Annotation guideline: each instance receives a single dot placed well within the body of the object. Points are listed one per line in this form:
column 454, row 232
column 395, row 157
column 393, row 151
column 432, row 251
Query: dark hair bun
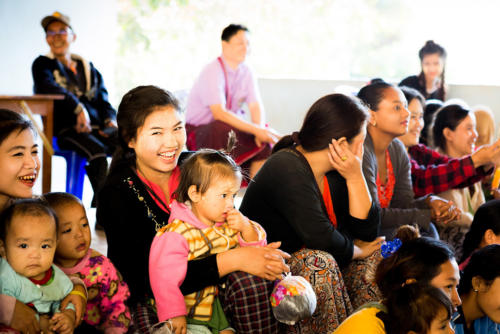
column 431, row 47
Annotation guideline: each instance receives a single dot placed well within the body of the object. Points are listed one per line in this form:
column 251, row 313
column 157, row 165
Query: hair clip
column 408, row 282
column 389, row 247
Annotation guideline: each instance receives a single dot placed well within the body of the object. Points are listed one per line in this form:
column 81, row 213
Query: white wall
column 22, row 38
column 286, row 101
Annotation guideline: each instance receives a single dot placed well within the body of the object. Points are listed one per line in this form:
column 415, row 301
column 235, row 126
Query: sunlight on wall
column 168, row 42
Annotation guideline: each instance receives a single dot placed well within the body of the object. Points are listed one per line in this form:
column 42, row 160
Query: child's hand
column 63, row 322
column 237, row 221
column 78, row 301
column 179, row 325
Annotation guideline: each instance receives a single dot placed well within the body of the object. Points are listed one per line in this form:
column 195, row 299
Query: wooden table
column 42, row 105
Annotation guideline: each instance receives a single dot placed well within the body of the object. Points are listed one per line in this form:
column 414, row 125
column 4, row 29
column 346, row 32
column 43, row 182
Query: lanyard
column 226, row 85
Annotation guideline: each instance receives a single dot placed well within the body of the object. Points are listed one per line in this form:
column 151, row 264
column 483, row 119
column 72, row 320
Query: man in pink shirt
column 215, row 103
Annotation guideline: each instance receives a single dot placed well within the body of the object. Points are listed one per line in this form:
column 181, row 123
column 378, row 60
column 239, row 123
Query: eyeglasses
column 64, row 32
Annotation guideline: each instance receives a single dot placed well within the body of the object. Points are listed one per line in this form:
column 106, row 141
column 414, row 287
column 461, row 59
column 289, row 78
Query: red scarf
column 156, row 192
column 327, row 198
column 385, row 191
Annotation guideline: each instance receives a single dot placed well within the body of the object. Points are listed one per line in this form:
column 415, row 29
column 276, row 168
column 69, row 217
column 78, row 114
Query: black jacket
column 285, row 199
column 413, row 81
column 51, row 77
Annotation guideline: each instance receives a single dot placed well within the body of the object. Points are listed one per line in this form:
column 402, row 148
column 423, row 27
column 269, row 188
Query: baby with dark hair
column 106, row 309
column 28, row 239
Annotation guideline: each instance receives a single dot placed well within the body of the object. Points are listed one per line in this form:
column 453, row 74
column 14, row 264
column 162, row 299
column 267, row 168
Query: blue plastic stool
column 75, row 169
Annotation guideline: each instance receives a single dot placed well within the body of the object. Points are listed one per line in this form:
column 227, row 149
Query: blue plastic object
column 75, row 169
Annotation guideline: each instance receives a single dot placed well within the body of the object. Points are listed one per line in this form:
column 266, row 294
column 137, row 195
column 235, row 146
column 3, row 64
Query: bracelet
column 78, row 293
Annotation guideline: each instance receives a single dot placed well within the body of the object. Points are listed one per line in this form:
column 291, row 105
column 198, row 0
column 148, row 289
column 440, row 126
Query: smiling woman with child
column 19, row 167
column 134, row 205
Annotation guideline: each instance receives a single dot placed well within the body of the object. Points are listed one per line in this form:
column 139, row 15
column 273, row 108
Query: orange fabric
column 385, row 191
column 73, row 69
column 327, row 198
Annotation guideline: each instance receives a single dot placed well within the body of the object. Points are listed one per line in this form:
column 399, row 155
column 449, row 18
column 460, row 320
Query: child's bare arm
column 77, row 297
column 179, row 325
column 63, row 322
column 237, row 221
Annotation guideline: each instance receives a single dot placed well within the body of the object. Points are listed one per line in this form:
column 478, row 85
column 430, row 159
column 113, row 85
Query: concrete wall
column 286, row 101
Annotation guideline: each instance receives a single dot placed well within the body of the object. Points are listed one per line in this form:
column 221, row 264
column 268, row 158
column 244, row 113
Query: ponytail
column 331, row 117
column 487, row 217
column 284, row 142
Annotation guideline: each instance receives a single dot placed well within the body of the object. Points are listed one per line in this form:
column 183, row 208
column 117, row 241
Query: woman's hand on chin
column 347, row 163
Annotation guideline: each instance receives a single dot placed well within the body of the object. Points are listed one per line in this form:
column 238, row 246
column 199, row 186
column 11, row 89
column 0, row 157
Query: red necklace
column 385, row 191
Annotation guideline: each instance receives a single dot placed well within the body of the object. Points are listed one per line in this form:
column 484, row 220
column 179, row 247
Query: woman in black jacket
column 134, row 204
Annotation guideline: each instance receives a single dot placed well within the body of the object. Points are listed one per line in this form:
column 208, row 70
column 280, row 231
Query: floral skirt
column 359, row 279
column 333, row 303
